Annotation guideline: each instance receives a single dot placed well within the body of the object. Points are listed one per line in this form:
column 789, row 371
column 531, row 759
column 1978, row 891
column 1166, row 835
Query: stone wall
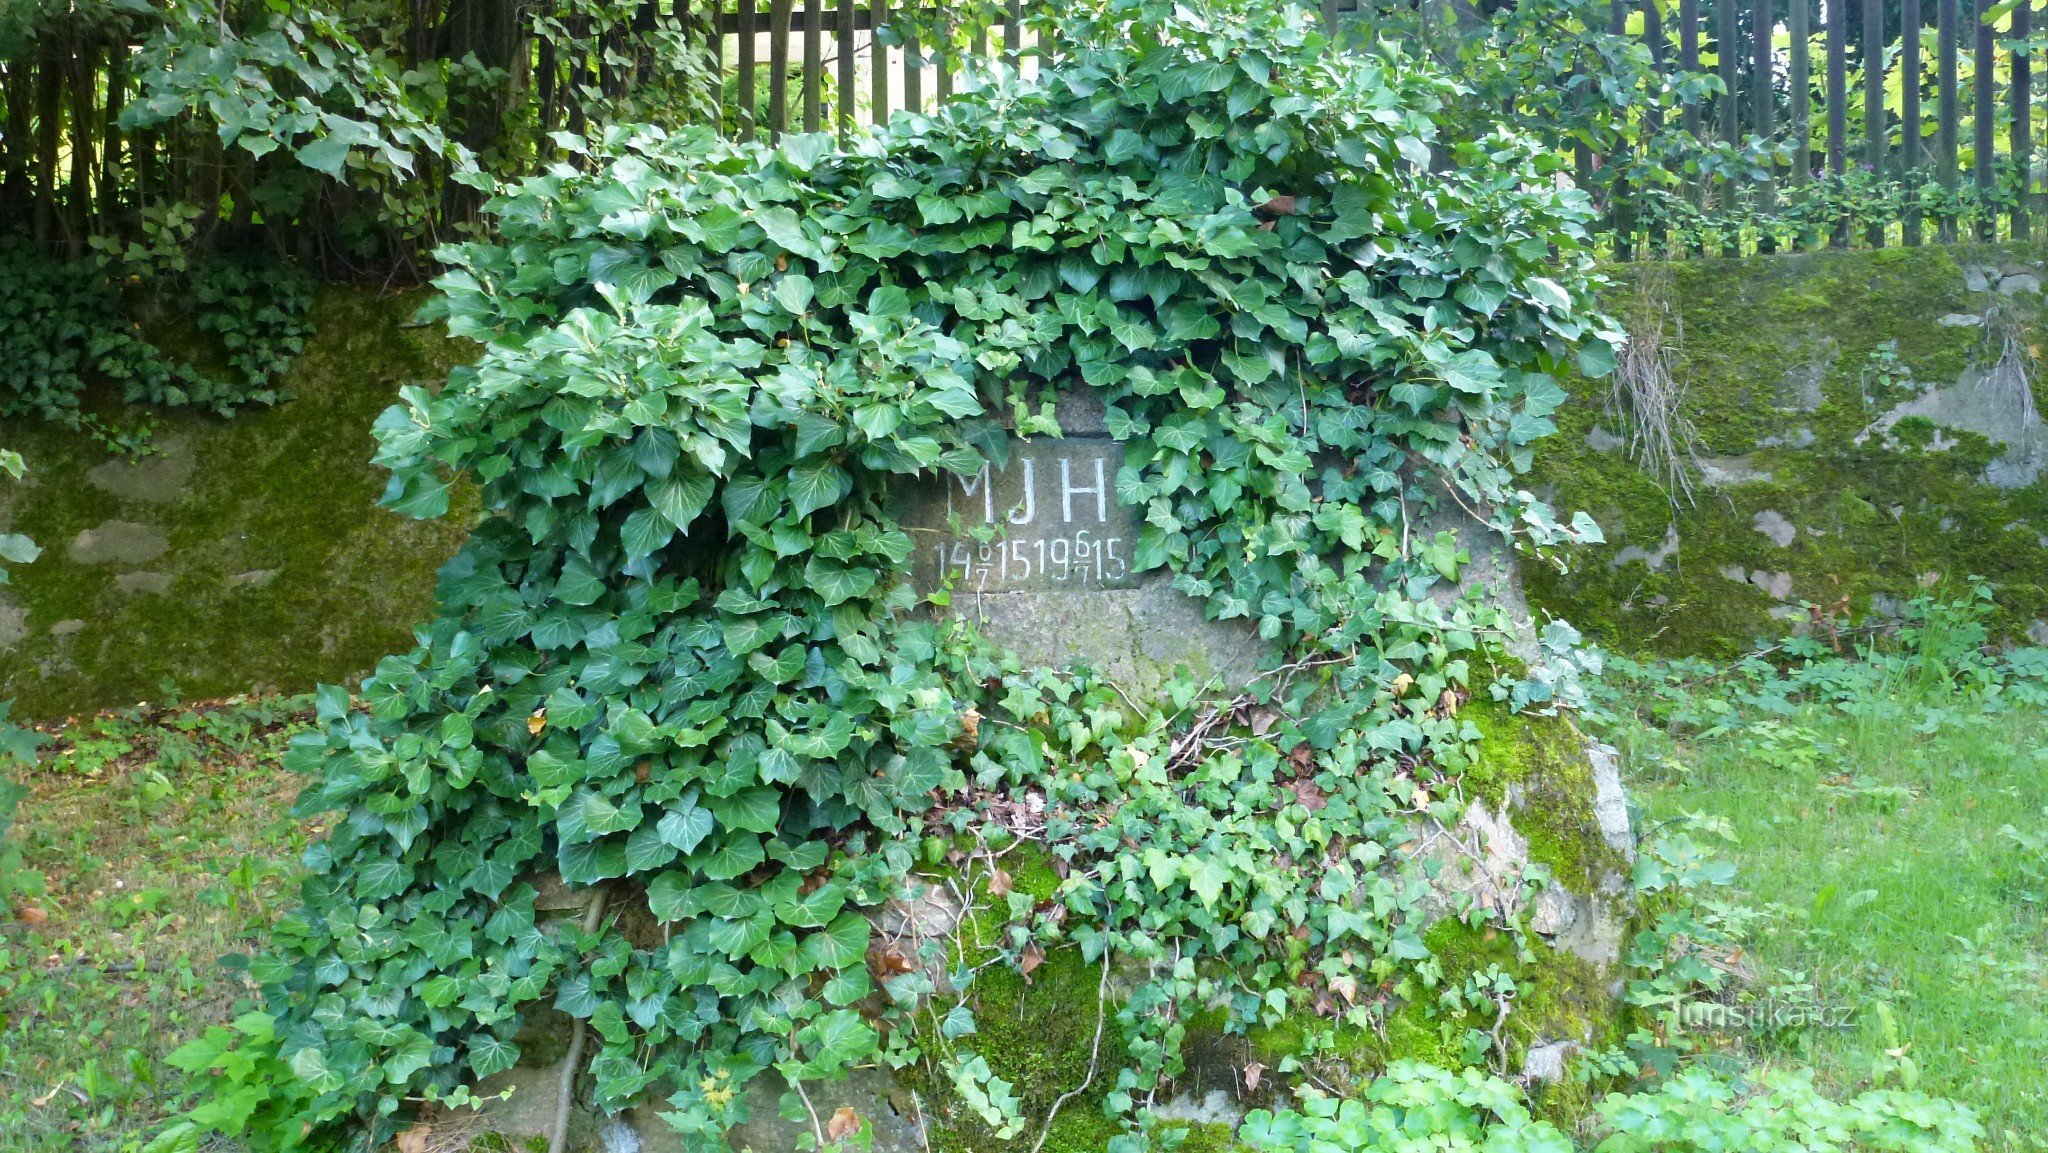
column 241, row 554
column 1867, row 427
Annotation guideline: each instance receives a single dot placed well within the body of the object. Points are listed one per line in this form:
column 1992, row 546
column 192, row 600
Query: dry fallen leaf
column 537, row 722
column 844, row 1123
column 1282, row 205
column 1346, row 986
column 1034, row 956
column 414, row 1140
column 1252, row 1073
column 999, row 883
column 891, row 959
column 30, row 915
column 1309, row 795
column 970, row 725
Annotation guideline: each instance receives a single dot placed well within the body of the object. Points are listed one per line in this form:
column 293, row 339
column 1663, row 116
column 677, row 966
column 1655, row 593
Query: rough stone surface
column 119, row 542
column 1773, row 524
column 153, row 583
column 1601, row 440
column 1654, row 560
column 1883, row 405
column 158, row 478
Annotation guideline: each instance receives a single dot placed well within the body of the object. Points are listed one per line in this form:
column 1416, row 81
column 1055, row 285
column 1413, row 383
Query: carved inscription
column 1047, row 520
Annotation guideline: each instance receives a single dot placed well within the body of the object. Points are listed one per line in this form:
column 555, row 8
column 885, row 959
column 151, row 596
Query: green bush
column 679, row 662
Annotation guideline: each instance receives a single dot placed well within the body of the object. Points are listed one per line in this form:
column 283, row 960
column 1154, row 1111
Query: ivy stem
column 1094, row 1054
column 566, row 1095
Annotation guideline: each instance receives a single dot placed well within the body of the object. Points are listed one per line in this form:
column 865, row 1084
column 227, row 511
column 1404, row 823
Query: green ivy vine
column 680, row 666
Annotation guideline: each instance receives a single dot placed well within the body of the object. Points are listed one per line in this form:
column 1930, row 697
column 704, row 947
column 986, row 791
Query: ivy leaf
column 737, row 854
column 328, row 154
column 644, row 532
column 684, row 827
column 840, row 944
column 756, row 810
column 816, row 483
column 679, row 499
column 489, row 1055
column 310, row 1066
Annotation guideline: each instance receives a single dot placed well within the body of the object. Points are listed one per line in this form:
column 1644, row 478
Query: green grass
column 1894, row 826
column 147, row 846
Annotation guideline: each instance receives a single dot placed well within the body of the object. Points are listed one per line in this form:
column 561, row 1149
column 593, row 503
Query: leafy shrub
column 679, row 662
column 65, row 324
column 1416, row 1108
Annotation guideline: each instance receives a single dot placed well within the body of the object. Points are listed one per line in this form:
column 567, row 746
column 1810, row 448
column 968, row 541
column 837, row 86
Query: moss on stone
column 1771, row 350
column 279, row 571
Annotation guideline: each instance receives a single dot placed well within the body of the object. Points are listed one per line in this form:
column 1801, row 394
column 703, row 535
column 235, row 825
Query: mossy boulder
column 1540, row 803
column 1867, row 426
column 242, row 554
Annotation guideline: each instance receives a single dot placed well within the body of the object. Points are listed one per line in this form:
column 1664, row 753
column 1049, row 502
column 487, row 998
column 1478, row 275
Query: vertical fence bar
column 1621, row 199
column 1984, row 110
column 1689, row 63
column 845, row 61
column 1762, row 96
column 1948, row 114
column 1838, row 105
column 942, row 58
column 1728, row 54
column 1653, row 115
column 1799, row 99
column 878, row 63
column 913, row 67
column 1013, row 29
column 778, row 67
column 814, row 63
column 747, row 50
column 1911, row 72
column 1873, row 103
column 2022, row 117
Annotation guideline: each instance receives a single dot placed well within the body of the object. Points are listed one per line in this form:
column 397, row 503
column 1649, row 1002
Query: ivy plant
column 679, row 667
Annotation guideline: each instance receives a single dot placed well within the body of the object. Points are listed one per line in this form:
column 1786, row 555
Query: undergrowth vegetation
column 1879, row 808
column 66, row 326
column 145, row 848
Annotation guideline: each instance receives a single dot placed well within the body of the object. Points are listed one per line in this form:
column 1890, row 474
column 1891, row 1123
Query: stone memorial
column 1039, row 553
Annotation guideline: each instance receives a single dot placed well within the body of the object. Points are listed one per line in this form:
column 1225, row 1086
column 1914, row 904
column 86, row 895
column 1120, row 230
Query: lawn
column 1889, row 815
column 145, row 849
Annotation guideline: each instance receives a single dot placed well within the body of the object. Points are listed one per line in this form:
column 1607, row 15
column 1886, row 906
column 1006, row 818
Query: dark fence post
column 778, row 67
column 1761, row 99
column 1800, row 81
column 1985, row 114
column 1874, row 129
column 1689, row 63
column 1910, row 73
column 2022, row 116
column 814, row 64
column 1653, row 114
column 1948, row 114
column 878, row 63
column 845, row 59
column 1838, row 106
column 747, row 53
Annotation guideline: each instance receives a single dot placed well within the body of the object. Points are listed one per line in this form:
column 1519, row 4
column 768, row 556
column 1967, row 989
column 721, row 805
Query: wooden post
column 1948, row 114
column 778, row 67
column 814, row 64
column 747, row 50
column 913, row 73
column 878, row 63
column 2022, row 118
column 1653, row 116
column 1910, row 72
column 1728, row 49
column 1800, row 81
column 1621, row 203
column 844, row 38
column 1689, row 62
column 1873, row 102
column 1985, row 111
column 1013, row 30
column 1838, row 104
column 1761, row 97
